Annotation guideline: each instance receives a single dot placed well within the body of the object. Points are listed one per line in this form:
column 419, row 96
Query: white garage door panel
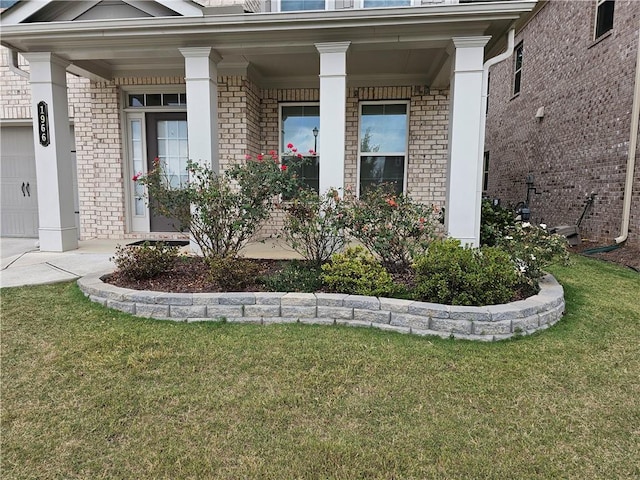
column 19, row 212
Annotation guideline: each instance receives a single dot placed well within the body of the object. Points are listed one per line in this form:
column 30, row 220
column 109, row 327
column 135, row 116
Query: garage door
column 19, row 213
column 19, row 207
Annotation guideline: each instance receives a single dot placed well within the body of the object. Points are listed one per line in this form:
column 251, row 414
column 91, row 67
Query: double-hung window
column 298, row 5
column 299, row 128
column 384, row 128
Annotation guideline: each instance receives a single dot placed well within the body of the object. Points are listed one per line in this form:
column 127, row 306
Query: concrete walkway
column 22, row 263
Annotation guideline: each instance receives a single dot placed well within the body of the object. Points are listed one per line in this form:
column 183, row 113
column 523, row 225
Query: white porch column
column 201, row 76
column 52, row 139
column 333, row 105
column 464, row 187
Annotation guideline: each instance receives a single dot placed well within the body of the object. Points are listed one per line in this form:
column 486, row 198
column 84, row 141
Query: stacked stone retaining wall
column 488, row 323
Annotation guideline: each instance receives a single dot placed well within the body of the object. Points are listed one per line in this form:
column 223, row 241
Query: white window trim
column 405, row 154
column 359, row 4
column 516, row 71
column 328, row 5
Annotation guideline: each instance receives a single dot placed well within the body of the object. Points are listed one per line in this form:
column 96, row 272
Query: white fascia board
column 184, row 8
column 278, row 21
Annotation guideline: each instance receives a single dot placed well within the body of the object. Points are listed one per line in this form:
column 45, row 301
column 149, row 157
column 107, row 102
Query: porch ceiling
column 388, row 46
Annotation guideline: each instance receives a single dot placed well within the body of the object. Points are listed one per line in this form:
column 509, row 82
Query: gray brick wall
column 581, row 144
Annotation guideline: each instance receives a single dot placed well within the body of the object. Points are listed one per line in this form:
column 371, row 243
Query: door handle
column 28, row 189
column 23, row 189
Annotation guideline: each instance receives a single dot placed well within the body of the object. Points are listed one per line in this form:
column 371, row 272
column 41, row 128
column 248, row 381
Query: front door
column 167, row 141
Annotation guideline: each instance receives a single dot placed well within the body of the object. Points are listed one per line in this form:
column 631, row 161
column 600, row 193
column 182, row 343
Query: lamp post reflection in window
column 315, row 139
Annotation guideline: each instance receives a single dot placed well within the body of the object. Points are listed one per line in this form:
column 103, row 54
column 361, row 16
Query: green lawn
column 92, row 393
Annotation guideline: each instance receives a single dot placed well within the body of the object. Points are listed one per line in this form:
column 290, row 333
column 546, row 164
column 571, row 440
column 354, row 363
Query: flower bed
column 488, row 323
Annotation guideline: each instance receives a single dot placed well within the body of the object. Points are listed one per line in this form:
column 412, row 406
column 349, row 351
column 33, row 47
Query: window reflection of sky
column 389, row 132
column 299, row 132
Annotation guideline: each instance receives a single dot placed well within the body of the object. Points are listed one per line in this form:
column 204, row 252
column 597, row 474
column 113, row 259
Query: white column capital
column 470, row 42
column 201, row 52
column 333, row 47
column 46, row 57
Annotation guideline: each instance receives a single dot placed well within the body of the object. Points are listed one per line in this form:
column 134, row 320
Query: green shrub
column 295, row 277
column 391, row 226
column 144, row 261
column 357, row 272
column 314, row 225
column 453, row 275
column 532, row 248
column 232, row 273
column 494, row 222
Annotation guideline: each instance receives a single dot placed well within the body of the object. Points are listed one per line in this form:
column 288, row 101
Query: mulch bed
column 626, row 256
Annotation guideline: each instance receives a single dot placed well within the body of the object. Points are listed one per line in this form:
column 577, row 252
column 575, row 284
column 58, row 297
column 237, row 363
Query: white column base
column 58, row 239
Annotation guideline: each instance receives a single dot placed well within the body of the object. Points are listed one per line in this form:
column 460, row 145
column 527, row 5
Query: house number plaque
column 43, row 123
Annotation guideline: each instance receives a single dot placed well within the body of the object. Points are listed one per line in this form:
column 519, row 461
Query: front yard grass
column 88, row 392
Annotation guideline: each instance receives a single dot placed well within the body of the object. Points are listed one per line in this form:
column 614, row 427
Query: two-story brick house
column 562, row 121
column 92, row 91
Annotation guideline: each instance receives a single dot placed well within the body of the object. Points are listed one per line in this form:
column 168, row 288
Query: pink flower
column 299, row 155
column 247, row 157
column 312, row 152
column 289, row 145
column 391, row 202
column 273, row 153
column 136, row 176
column 283, row 168
column 260, row 157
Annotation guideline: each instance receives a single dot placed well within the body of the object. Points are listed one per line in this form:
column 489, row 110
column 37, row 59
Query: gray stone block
column 482, row 338
column 141, row 296
column 373, row 316
column 457, row 312
column 206, row 298
column 451, row 326
column 187, row 311
column 297, row 311
column 419, row 322
column 504, row 312
column 551, row 316
column 429, row 333
column 112, row 292
column 427, row 309
column 330, row 299
column 224, row 311
column 278, row 320
column 527, row 307
column 318, row 321
column 205, row 319
column 501, row 327
column 262, row 310
column 335, row 312
column 101, row 300
column 296, row 299
column 237, row 298
column 395, row 304
column 353, row 323
column 152, row 310
column 521, row 325
column 391, row 328
column 126, row 307
column 361, row 301
column 268, row 298
column 175, row 299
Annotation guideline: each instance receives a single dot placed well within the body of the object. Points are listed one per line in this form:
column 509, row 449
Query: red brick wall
column 581, row 144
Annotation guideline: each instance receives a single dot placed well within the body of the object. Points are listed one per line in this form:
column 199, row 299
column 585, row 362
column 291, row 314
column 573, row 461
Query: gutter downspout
column 631, row 160
column 13, row 64
column 483, row 109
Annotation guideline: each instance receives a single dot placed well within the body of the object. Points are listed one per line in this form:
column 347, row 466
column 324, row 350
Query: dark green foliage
column 141, row 262
column 495, row 220
column 295, row 277
column 453, row 275
column 232, row 273
column 357, row 272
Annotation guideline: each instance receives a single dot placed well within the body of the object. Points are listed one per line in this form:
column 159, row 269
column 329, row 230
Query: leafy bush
column 145, row 261
column 314, row 225
column 391, row 226
column 495, row 220
column 533, row 249
column 295, row 277
column 221, row 211
column 232, row 273
column 357, row 272
column 453, row 275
